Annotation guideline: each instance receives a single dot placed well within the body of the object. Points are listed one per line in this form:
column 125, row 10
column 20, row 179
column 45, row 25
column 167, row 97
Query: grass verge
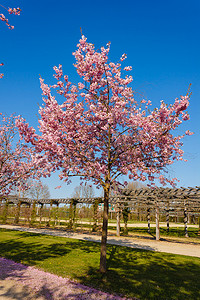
column 134, row 273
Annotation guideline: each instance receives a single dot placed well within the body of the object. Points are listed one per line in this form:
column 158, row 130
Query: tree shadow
column 147, row 275
column 24, row 248
column 133, row 272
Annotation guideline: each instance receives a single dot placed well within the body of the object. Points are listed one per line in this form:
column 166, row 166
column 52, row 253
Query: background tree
column 18, row 161
column 37, row 191
column 100, row 132
column 83, row 191
column 77, row 193
column 134, row 185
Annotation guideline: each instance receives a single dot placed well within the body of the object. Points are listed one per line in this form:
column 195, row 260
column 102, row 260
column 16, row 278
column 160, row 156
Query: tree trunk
column 103, row 267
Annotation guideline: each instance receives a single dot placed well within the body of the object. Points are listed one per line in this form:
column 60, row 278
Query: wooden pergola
column 157, row 201
column 162, row 200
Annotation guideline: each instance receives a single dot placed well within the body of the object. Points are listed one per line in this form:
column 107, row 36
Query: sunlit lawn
column 134, row 273
column 173, row 232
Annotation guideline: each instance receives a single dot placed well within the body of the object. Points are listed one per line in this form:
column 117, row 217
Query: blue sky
column 160, row 38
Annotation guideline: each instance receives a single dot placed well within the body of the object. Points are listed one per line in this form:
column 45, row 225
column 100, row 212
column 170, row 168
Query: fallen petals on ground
column 48, row 285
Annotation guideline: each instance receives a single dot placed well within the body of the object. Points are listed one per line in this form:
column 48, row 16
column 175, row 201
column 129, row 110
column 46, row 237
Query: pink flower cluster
column 14, row 11
column 18, row 161
column 1, row 74
column 100, row 132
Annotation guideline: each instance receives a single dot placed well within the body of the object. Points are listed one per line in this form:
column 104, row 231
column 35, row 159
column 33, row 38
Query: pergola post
column 157, row 223
column 70, row 214
column 125, row 212
column 148, row 219
column 185, row 219
column 40, row 212
column 56, row 214
column 33, row 213
column 74, row 213
column 50, row 213
column 118, row 219
column 16, row 221
column 139, row 212
column 167, row 216
column 5, row 211
column 28, row 214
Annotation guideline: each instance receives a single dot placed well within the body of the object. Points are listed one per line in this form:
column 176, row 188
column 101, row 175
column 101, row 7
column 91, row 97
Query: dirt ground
column 10, row 290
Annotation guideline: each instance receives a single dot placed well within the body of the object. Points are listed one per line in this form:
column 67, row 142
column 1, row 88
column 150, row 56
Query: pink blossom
column 15, row 11
column 189, row 132
column 81, row 86
column 123, row 57
column 128, row 68
column 58, row 187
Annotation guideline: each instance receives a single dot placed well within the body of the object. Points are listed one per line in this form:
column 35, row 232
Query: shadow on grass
column 31, row 253
column 132, row 272
column 147, row 275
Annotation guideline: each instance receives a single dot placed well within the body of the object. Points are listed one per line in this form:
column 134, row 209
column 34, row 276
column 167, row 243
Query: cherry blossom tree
column 100, row 132
column 18, row 162
column 11, row 11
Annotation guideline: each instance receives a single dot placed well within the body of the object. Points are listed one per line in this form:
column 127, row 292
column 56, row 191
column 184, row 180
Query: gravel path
column 147, row 244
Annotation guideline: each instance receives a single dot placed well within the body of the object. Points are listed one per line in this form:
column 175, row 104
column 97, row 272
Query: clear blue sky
column 161, row 39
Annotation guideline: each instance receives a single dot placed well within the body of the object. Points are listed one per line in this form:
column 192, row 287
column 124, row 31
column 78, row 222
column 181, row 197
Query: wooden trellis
column 158, row 201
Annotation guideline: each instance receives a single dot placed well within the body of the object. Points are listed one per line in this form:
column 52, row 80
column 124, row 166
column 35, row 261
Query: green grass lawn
column 134, row 273
column 173, row 231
